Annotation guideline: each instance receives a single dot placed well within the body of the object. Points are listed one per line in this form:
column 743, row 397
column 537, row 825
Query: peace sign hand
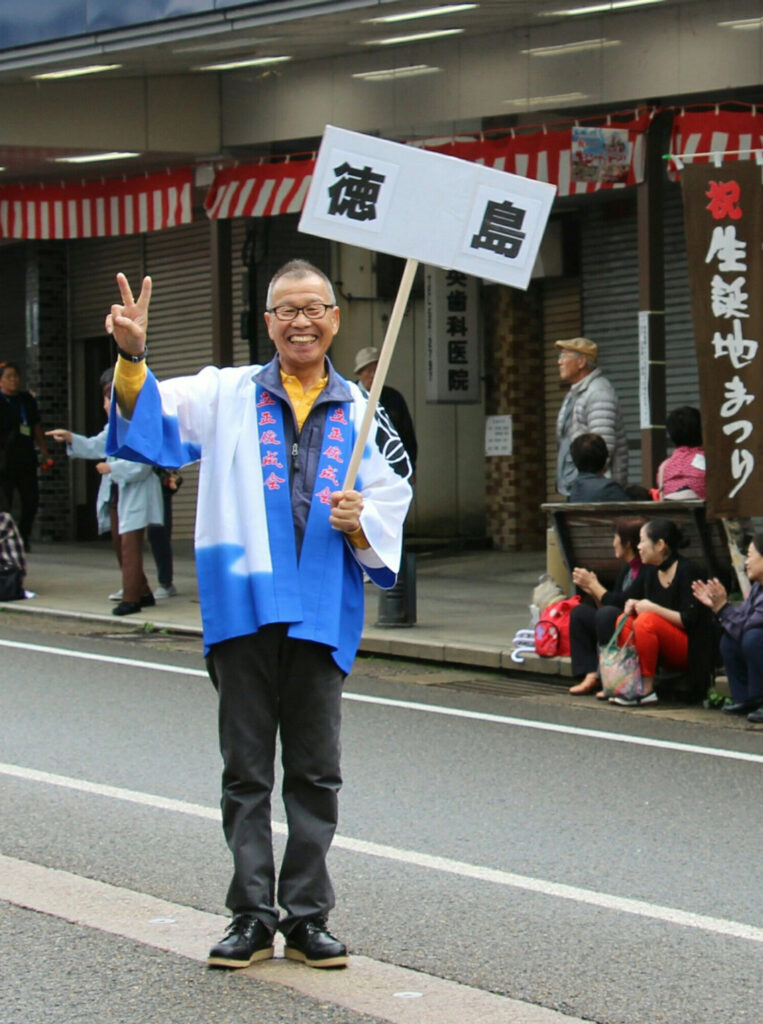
column 128, row 322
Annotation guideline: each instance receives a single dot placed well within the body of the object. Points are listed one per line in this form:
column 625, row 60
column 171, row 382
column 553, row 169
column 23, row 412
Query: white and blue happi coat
column 250, row 572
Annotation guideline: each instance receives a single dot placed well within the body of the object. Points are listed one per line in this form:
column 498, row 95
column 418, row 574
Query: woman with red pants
column 667, row 622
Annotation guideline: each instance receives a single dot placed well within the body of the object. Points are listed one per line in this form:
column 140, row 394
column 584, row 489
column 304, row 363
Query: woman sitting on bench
column 742, row 637
column 590, row 626
column 668, row 624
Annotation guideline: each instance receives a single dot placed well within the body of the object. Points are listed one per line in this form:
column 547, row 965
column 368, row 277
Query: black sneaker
column 636, row 702
column 147, row 600
column 246, row 941
column 311, row 944
column 126, row 608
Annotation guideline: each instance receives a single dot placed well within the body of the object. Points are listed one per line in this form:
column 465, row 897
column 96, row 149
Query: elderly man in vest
column 280, row 550
column 591, row 407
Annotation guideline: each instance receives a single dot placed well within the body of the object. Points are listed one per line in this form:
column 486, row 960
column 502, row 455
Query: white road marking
column 368, row 986
column 430, row 862
column 432, row 709
column 106, row 659
column 568, row 730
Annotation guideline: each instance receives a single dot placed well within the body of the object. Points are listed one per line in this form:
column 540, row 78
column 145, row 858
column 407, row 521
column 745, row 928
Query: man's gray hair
column 298, row 268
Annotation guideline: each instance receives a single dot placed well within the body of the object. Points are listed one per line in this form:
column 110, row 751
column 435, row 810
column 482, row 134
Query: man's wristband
column 131, row 358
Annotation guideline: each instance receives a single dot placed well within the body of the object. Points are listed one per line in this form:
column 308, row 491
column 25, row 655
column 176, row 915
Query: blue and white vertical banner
column 439, row 210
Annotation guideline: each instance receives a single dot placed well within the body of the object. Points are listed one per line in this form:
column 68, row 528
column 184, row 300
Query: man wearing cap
column 591, row 407
column 393, row 402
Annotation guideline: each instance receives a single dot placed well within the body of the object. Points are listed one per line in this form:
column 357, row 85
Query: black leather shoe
column 147, row 600
column 246, row 941
column 756, row 716
column 310, row 943
column 126, row 608
column 741, row 707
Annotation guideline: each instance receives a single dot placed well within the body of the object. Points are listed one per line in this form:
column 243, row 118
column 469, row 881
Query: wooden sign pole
column 385, row 357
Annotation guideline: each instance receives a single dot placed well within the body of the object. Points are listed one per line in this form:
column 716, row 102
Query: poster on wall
column 601, row 155
column 723, row 212
column 436, row 209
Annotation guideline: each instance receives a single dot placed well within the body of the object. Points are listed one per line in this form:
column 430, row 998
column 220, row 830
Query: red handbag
column 552, row 632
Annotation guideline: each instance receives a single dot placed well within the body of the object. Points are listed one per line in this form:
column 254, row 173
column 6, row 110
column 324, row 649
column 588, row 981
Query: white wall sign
column 645, row 412
column 499, row 435
column 437, row 209
column 452, row 333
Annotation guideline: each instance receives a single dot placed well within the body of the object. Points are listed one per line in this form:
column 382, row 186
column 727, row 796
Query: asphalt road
column 596, row 862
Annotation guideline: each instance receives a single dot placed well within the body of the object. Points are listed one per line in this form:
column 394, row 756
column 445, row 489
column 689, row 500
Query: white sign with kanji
column 437, row 209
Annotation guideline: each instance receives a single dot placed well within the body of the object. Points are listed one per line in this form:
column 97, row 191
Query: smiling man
column 280, row 552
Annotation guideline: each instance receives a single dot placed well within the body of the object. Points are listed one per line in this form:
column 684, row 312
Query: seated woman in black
column 742, row 637
column 591, row 626
column 669, row 626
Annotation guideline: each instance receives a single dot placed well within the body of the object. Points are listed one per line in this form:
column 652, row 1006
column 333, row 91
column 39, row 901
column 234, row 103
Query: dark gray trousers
column 268, row 684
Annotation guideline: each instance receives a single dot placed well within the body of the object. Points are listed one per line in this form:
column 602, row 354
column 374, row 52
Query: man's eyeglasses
column 314, row 311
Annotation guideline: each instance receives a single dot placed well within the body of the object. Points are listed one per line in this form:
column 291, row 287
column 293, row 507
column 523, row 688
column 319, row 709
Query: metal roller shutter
column 561, row 319
column 239, row 227
column 93, row 265
column 178, row 261
column 610, row 308
column 682, row 376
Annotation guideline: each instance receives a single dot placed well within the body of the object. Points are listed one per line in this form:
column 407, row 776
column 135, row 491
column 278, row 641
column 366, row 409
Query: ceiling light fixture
column 742, row 24
column 252, row 62
column 91, row 158
column 89, row 69
column 617, row 5
column 563, row 48
column 386, row 19
column 415, row 38
column 409, row 71
column 546, row 101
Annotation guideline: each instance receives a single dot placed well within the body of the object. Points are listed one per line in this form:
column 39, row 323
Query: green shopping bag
column 619, row 667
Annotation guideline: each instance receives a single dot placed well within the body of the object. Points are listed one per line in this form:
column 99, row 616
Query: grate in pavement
column 504, row 687
column 152, row 639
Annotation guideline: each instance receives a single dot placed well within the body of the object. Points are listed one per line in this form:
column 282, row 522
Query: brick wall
column 515, row 484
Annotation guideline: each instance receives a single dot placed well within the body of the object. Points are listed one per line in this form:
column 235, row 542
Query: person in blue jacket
column 742, row 636
column 129, row 499
column 280, row 545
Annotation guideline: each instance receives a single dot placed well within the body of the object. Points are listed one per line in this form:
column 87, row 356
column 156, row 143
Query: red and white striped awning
column 548, row 156
column 259, row 190
column 267, row 189
column 715, row 135
column 96, row 209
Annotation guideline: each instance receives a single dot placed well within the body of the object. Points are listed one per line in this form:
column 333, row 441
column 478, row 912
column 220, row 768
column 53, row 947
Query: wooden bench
column 584, row 534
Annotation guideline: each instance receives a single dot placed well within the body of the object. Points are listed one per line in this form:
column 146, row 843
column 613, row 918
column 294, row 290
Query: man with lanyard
column 20, row 430
column 280, row 549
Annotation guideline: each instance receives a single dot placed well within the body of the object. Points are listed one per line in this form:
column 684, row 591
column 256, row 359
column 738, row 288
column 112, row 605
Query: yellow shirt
column 302, row 400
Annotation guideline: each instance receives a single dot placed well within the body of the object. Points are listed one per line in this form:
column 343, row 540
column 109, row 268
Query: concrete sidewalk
column 469, row 603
